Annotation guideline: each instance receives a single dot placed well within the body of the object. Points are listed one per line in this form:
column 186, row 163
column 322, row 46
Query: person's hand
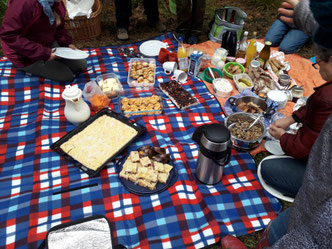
column 72, row 46
column 284, row 123
column 52, row 56
column 276, row 132
column 287, row 10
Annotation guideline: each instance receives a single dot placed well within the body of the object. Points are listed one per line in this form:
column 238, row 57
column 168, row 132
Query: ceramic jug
column 76, row 109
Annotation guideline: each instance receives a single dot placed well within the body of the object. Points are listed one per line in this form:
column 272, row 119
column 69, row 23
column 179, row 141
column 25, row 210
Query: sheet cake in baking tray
column 98, row 140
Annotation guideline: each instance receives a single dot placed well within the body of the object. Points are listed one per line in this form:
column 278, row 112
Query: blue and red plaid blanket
column 188, row 215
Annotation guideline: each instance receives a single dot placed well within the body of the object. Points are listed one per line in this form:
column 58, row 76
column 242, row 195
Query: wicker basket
column 83, row 28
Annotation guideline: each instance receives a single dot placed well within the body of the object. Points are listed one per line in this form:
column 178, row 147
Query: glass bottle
column 264, row 55
column 182, row 56
column 229, row 42
column 251, row 51
column 241, row 53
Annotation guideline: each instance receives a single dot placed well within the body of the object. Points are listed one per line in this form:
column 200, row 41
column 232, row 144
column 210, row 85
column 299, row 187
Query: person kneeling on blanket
column 29, row 32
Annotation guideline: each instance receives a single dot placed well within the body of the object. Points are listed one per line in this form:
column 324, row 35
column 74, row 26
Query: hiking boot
column 122, row 34
column 158, row 25
column 192, row 40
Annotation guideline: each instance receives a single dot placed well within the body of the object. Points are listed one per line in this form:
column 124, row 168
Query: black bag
column 86, row 233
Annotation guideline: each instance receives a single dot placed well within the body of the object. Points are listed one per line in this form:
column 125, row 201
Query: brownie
column 180, row 97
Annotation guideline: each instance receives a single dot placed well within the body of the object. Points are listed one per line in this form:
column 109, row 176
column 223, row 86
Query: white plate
column 268, row 188
column 259, row 46
column 72, row 54
column 274, row 147
column 151, row 48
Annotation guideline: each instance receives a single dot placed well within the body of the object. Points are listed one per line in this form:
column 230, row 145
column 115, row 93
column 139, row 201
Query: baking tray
column 56, row 146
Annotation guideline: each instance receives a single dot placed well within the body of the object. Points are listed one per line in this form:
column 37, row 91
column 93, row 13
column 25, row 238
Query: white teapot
column 76, row 109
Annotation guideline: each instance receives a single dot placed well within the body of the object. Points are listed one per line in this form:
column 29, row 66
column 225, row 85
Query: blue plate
column 139, row 190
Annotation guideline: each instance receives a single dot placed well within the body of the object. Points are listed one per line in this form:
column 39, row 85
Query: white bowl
column 222, row 87
column 278, row 96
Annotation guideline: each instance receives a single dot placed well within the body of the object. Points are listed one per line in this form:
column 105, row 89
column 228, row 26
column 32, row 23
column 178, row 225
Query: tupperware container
column 109, row 84
column 139, row 72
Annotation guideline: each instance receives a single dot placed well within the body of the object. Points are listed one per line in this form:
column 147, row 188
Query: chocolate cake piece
column 179, row 96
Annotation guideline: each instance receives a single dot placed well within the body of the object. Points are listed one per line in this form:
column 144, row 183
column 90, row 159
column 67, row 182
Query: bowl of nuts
column 141, row 72
column 232, row 68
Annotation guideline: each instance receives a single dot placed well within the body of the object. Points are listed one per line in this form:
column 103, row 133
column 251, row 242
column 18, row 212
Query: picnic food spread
column 168, row 116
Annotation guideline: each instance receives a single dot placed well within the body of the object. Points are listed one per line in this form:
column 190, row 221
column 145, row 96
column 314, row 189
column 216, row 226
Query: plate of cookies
column 147, row 171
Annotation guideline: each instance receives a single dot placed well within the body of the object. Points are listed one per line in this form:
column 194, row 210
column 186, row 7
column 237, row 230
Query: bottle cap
column 268, row 43
column 254, row 64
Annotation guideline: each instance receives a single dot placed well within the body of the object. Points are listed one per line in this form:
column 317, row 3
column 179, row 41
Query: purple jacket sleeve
column 20, row 15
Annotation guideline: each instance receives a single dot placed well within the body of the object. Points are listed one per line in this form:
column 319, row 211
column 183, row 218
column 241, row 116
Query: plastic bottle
column 182, row 56
column 241, row 53
column 264, row 55
column 251, row 50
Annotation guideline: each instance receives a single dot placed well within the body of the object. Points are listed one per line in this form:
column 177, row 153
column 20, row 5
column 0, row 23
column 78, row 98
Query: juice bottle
column 251, row 51
column 264, row 55
column 182, row 56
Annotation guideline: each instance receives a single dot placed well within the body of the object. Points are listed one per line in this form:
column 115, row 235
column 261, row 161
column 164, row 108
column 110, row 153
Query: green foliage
column 3, row 8
column 265, row 4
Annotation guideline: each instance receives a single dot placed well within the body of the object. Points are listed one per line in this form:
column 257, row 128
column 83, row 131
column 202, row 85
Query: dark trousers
column 190, row 18
column 123, row 12
column 284, row 174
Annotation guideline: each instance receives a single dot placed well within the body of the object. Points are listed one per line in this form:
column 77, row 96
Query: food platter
column 142, row 191
column 72, row 54
column 151, row 48
column 269, row 188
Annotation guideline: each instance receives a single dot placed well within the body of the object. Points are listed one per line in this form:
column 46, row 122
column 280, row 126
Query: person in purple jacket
column 30, row 31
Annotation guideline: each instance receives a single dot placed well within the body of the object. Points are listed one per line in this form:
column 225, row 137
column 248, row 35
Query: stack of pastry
column 144, row 171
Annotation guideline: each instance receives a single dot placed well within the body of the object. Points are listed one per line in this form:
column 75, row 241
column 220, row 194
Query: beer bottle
column 264, row 55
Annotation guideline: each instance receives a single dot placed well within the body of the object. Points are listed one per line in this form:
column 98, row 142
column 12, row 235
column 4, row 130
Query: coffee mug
column 179, row 76
column 169, row 67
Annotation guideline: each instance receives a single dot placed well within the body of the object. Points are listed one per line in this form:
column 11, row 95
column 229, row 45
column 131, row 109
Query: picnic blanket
column 39, row 189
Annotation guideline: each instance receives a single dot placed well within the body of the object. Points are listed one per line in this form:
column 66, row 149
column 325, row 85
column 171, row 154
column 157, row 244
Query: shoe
column 122, row 34
column 192, row 40
column 158, row 25
column 264, row 240
column 181, row 36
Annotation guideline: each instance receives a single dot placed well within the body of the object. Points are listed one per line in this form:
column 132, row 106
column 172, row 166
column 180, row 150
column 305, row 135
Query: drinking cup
column 179, row 76
column 169, row 67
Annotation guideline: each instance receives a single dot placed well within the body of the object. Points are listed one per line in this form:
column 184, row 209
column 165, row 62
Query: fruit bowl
column 242, row 81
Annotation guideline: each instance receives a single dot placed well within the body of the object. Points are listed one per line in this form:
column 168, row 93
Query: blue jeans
column 287, row 38
column 283, row 174
column 278, row 227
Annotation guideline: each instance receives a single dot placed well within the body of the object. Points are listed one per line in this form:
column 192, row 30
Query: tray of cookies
column 98, row 140
column 147, row 171
column 140, row 102
column 141, row 72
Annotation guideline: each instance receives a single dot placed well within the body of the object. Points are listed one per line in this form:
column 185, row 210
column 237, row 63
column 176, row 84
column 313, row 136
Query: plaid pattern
column 39, row 189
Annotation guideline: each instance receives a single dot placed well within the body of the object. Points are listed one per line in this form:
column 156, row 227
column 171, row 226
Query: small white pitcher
column 76, row 109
